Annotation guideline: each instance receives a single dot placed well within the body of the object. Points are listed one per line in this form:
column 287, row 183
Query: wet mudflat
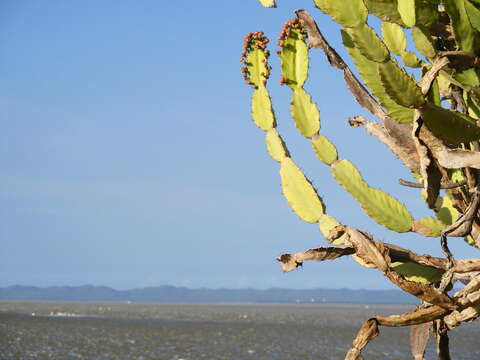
column 110, row 331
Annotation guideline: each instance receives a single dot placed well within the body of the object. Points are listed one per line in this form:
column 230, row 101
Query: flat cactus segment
column 416, row 272
column 254, row 57
column 326, row 224
column 473, row 15
column 445, row 210
column 450, row 126
column 467, row 78
column 400, row 86
column 369, row 44
column 386, row 10
column 256, row 66
column 428, row 226
column 410, row 59
column 323, row 5
column 294, row 55
column 369, row 72
column 324, row 149
column 423, row 42
column 462, row 28
column 268, row 3
column 276, row 146
column 346, row 13
column 262, row 112
column 300, row 193
column 394, row 37
column 406, row 9
column 380, row 206
column 305, row 113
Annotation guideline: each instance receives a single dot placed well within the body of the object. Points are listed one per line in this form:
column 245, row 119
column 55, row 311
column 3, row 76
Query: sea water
column 148, row 331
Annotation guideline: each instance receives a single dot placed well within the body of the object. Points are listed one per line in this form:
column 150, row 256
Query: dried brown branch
column 429, row 170
column 367, row 333
column 431, row 74
column 441, row 332
column 419, row 335
column 392, row 134
column 442, row 186
column 290, row 262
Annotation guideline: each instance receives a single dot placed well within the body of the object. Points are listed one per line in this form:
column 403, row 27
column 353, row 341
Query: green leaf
column 346, row 13
column 473, row 15
column 406, row 9
column 428, row 226
column 300, row 193
column 324, row 149
column 369, row 44
column 294, row 59
column 305, row 113
column 394, row 37
column 276, row 146
column 423, row 42
column 417, row 273
column 262, row 112
column 450, row 126
column 462, row 29
column 327, row 223
column 380, row 206
column 369, row 72
column 400, row 86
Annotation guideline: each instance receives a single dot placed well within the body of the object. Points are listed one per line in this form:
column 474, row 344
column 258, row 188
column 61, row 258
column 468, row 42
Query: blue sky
column 129, row 158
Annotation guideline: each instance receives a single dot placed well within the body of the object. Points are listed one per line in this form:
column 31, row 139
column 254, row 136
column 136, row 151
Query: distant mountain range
column 185, row 295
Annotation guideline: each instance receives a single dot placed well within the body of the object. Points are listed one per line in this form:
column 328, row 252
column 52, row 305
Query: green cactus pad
column 268, row 3
column 324, row 149
column 428, row 226
column 394, row 37
column 369, row 72
column 451, row 126
column 380, row 206
column 400, row 86
column 410, row 59
column 326, row 224
column 386, row 10
column 468, row 78
column 462, row 28
column 369, row 44
column 256, row 64
column 423, row 42
column 300, row 193
column 294, row 59
column 305, row 113
column 445, row 210
column 473, row 15
column 346, row 13
column 262, row 112
column 406, row 9
column 275, row 145
column 323, row 5
column 417, row 272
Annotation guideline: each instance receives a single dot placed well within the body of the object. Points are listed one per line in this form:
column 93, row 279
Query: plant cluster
column 430, row 124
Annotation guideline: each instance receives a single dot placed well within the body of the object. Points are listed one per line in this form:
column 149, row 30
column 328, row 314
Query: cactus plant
column 431, row 124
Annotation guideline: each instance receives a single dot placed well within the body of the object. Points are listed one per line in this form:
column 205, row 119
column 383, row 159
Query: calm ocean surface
column 147, row 331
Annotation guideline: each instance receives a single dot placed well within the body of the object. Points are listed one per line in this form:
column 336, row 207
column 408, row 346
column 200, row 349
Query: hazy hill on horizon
column 174, row 294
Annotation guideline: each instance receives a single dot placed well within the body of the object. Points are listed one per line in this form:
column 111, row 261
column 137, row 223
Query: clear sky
column 129, row 158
